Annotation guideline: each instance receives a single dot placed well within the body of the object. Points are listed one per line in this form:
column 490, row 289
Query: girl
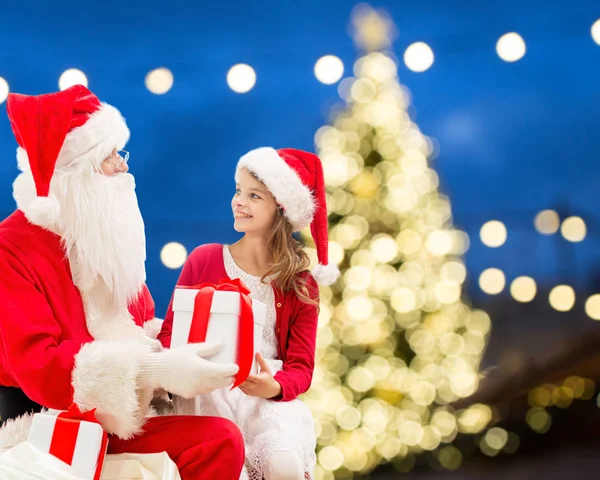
column 277, row 193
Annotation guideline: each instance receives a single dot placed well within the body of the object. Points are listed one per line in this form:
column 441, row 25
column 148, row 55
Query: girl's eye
column 237, row 191
column 254, row 195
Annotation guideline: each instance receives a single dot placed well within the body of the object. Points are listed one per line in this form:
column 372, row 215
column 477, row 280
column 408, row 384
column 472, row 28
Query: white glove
column 182, row 370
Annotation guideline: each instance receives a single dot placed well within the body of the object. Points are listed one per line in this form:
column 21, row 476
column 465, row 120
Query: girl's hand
column 262, row 385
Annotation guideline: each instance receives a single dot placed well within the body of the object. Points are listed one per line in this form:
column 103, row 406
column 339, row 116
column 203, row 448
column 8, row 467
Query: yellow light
column 410, row 433
column 4, row 89
column 447, row 292
column 173, row 255
column 562, row 298
column 71, row 77
column 479, row 322
column 348, row 418
column 475, row 418
column 389, row 448
column 562, row 396
column 358, row 278
column 492, row 281
column 359, row 307
column 547, row 222
column 413, row 163
column 360, row 379
column 431, row 438
column 444, row 421
column 418, row 57
column 512, row 445
column 539, row 420
column 523, row 289
column 439, row 242
column 335, row 252
column 329, row 69
column 539, row 397
column 450, row 458
column 384, row 248
column 573, row 229
column 409, row 242
column 421, row 341
column 595, row 30
column 493, row 233
column 496, row 438
column 452, row 344
column 363, row 90
column 511, row 47
column 403, row 300
column 159, row 81
column 464, row 384
column 576, row 385
column 241, row 78
column 454, row 272
column 592, row 307
column 331, row 457
column 423, row 393
column 355, row 460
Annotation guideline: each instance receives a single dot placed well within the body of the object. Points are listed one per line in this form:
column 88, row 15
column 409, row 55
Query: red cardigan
column 296, row 321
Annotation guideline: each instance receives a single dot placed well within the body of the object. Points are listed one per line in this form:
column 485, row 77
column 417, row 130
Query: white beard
column 103, row 235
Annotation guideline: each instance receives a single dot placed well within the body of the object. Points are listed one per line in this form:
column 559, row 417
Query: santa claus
column 76, row 319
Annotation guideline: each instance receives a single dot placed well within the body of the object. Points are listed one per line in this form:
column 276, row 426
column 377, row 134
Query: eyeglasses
column 119, row 159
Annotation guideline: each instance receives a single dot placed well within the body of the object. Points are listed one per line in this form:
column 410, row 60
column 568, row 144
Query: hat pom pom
column 43, row 211
column 325, row 274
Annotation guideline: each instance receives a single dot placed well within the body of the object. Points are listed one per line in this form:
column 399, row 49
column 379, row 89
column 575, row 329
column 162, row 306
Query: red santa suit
column 72, row 326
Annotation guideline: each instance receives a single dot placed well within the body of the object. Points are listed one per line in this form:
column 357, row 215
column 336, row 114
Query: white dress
column 266, row 426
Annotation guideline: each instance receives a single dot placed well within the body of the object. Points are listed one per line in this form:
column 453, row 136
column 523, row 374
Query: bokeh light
column 562, row 298
column 523, row 289
column 241, row 78
column 547, row 222
column 511, row 47
column 329, row 69
column 418, row 57
column 71, row 77
column 173, row 255
column 159, row 81
column 573, row 229
column 493, row 233
column 492, row 281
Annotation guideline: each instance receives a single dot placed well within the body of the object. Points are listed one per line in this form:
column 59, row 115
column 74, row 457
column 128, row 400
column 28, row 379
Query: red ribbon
column 201, row 317
column 65, row 434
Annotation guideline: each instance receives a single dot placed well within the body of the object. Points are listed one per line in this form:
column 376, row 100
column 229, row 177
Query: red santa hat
column 61, row 131
column 295, row 178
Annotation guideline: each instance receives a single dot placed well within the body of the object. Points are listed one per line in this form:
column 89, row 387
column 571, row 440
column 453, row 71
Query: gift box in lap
column 77, row 442
column 223, row 324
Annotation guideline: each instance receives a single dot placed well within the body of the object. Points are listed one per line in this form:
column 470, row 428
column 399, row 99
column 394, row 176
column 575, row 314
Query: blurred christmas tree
column 397, row 342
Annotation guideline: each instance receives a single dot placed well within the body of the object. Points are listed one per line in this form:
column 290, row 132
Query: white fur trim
column 15, row 431
column 104, row 131
column 283, row 182
column 105, row 378
column 325, row 274
column 152, row 327
column 43, row 211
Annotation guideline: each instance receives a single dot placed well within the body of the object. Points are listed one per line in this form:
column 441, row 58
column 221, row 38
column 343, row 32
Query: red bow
column 65, row 434
column 201, row 316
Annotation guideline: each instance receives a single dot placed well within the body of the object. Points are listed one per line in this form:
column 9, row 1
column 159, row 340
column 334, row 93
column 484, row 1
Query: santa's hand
column 262, row 385
column 182, row 370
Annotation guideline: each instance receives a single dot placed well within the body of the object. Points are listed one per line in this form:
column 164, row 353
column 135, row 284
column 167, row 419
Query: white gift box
column 222, row 325
column 88, row 450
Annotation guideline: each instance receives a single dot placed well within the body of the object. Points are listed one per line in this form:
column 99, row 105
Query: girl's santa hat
column 295, row 178
column 64, row 131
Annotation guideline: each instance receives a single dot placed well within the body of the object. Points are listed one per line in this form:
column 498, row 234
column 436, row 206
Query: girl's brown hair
column 289, row 260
